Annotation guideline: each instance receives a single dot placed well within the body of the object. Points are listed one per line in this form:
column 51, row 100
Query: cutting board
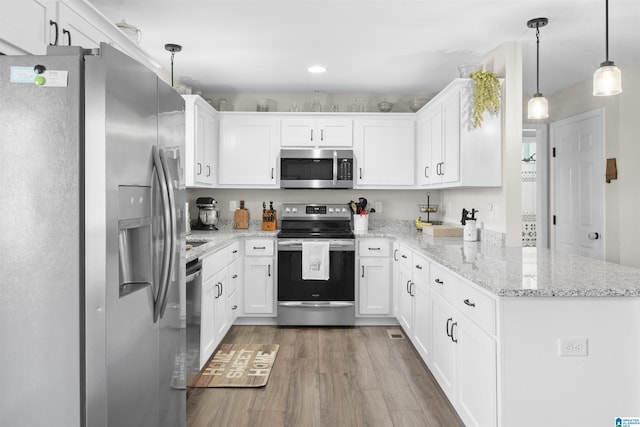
column 241, row 219
column 442, row 230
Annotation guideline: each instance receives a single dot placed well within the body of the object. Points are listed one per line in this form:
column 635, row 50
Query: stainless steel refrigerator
column 92, row 269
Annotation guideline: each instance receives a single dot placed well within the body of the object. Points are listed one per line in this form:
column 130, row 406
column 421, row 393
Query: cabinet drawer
column 420, row 268
column 258, row 247
column 374, row 247
column 477, row 306
column 234, row 251
column 213, row 263
column 234, row 277
column 405, row 257
column 443, row 281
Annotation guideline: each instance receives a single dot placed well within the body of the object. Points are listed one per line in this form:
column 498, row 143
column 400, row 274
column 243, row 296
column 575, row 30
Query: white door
column 577, row 185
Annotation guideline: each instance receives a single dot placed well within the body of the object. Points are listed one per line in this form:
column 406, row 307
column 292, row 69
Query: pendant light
column 173, row 48
column 607, row 80
column 538, row 106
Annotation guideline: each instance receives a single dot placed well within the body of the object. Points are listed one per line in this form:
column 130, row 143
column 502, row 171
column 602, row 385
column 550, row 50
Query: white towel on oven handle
column 315, row 260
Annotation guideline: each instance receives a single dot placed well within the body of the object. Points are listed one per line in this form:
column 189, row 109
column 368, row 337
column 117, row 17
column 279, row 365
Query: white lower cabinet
column 464, row 351
column 374, row 277
column 217, row 295
column 421, row 331
column 259, row 277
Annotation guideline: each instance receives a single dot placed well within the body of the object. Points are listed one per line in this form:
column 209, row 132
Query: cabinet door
column 26, row 24
column 258, row 288
column 384, row 153
column 205, row 141
column 77, row 31
column 443, row 365
column 421, row 308
column 248, row 151
column 433, row 145
column 298, row 132
column 207, row 328
column 334, row 133
column 220, row 305
column 374, row 275
column 423, row 149
column 450, row 168
column 405, row 300
column 477, row 392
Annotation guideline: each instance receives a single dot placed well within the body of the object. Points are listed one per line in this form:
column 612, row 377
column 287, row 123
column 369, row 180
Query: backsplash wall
column 396, row 204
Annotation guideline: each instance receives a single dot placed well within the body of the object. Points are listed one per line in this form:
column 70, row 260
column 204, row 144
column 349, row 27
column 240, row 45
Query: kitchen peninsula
column 531, row 334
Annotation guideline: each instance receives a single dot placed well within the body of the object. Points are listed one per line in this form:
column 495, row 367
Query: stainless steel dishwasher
column 193, row 299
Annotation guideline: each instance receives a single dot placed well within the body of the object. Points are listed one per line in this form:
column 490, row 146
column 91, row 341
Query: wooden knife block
column 269, row 220
column 241, row 219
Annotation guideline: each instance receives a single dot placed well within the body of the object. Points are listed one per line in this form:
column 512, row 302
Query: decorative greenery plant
column 486, row 95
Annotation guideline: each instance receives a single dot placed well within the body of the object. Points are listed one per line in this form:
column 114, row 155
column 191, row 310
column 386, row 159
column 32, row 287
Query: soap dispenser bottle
column 470, row 230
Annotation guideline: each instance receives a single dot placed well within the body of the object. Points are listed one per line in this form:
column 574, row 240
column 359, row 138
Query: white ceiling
column 374, row 46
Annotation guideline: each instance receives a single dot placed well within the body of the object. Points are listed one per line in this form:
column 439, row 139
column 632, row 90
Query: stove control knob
column 287, row 210
column 294, row 210
column 330, row 210
column 344, row 210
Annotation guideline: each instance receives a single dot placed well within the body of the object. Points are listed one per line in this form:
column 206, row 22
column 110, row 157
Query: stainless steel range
column 316, row 265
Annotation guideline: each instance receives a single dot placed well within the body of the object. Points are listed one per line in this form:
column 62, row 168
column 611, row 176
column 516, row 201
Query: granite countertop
column 503, row 271
column 518, row 272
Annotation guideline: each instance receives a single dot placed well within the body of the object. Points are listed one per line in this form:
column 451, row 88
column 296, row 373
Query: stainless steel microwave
column 316, row 168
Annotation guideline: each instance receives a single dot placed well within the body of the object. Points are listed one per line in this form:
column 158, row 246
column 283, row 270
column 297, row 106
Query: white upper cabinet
column 75, row 30
column 29, row 24
column 450, row 153
column 316, row 132
column 385, row 152
column 248, row 151
column 201, row 142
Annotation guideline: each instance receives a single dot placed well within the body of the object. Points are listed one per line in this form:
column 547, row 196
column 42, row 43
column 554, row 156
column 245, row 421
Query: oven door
column 316, row 302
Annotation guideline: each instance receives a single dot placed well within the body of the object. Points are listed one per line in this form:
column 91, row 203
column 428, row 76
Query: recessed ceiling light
column 317, row 69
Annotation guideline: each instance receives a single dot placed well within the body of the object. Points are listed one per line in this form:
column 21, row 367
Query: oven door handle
column 316, row 304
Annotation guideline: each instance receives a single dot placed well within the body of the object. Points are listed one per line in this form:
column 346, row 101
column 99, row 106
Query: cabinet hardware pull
column 269, row 270
column 409, row 292
column 425, row 171
column 312, row 134
column 469, row 303
column 235, row 251
column 321, row 134
column 440, row 282
column 208, row 170
column 374, row 249
column 199, row 169
column 594, row 236
column 418, row 266
column 259, row 247
column 453, row 325
column 220, row 294
column 235, row 276
column 411, row 289
column 68, row 33
column 363, row 271
column 271, row 173
column 54, row 24
column 217, row 292
column 404, row 256
column 449, row 320
column 395, row 255
column 235, row 307
column 360, row 173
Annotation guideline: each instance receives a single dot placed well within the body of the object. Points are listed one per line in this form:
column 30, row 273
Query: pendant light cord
column 606, row 31
column 537, row 59
column 172, row 55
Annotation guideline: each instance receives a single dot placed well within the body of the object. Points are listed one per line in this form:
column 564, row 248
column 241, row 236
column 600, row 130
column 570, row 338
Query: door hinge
column 554, row 220
column 554, row 152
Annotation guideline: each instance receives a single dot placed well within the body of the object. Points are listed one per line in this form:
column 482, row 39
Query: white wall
column 622, row 141
column 506, row 61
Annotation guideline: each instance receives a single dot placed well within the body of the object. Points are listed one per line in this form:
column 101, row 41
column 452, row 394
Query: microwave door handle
column 335, row 168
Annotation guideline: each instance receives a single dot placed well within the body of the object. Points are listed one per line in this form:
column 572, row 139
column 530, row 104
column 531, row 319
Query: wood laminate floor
column 329, row 377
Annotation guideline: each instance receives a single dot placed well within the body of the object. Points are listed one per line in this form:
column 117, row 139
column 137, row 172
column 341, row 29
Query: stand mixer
column 208, row 214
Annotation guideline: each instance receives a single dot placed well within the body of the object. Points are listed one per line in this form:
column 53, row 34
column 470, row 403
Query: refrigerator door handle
column 166, row 254
column 172, row 235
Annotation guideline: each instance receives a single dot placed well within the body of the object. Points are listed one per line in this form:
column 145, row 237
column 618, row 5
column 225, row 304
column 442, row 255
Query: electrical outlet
column 233, row 205
column 378, row 207
column 573, row 346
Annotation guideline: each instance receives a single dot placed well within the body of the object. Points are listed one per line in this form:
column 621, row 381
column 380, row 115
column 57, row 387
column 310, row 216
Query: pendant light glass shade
column 607, row 80
column 538, row 107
